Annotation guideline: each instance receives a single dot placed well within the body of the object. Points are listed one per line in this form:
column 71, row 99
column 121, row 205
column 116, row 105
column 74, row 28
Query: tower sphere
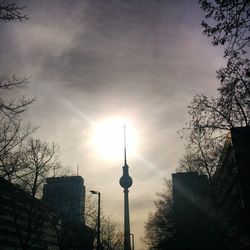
column 126, row 181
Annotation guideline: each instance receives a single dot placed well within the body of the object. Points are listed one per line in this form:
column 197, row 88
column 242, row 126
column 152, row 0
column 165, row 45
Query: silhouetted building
column 66, row 196
column 216, row 214
column 231, row 194
column 241, row 151
column 190, row 210
column 25, row 222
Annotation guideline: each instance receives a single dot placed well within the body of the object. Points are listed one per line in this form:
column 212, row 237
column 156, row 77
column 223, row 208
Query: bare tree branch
column 11, row 11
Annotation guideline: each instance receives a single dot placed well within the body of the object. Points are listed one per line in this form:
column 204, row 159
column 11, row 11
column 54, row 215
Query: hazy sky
column 92, row 60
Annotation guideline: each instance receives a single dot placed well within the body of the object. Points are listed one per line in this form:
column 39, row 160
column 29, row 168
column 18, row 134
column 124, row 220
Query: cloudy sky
column 95, row 60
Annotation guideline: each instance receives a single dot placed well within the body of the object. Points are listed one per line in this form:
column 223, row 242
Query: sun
column 107, row 138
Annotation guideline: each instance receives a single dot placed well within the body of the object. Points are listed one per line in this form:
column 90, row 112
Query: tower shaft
column 127, row 242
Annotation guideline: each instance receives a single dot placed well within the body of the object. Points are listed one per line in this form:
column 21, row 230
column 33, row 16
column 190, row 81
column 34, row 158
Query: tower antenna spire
column 125, row 146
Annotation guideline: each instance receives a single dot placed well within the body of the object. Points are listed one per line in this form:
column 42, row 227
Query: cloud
column 101, row 58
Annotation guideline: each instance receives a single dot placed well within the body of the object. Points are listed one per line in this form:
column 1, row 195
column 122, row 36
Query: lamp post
column 98, row 217
column 133, row 241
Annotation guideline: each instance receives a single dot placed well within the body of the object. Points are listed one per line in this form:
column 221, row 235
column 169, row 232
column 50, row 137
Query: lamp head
column 93, row 192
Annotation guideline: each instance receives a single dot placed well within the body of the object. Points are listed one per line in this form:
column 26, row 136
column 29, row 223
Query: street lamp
column 133, row 241
column 99, row 217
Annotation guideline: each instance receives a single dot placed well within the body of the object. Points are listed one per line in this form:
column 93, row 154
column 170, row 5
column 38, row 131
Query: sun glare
column 108, row 138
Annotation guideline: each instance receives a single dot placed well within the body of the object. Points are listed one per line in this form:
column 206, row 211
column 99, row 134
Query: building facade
column 25, row 222
column 190, row 210
column 215, row 214
column 231, row 187
column 66, row 196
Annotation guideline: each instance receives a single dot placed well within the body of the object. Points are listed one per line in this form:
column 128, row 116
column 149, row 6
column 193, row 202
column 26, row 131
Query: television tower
column 126, row 182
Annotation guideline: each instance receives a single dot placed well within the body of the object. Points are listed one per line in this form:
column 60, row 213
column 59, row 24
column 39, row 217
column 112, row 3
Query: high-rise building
column 66, row 196
column 232, row 196
column 215, row 214
column 190, row 210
